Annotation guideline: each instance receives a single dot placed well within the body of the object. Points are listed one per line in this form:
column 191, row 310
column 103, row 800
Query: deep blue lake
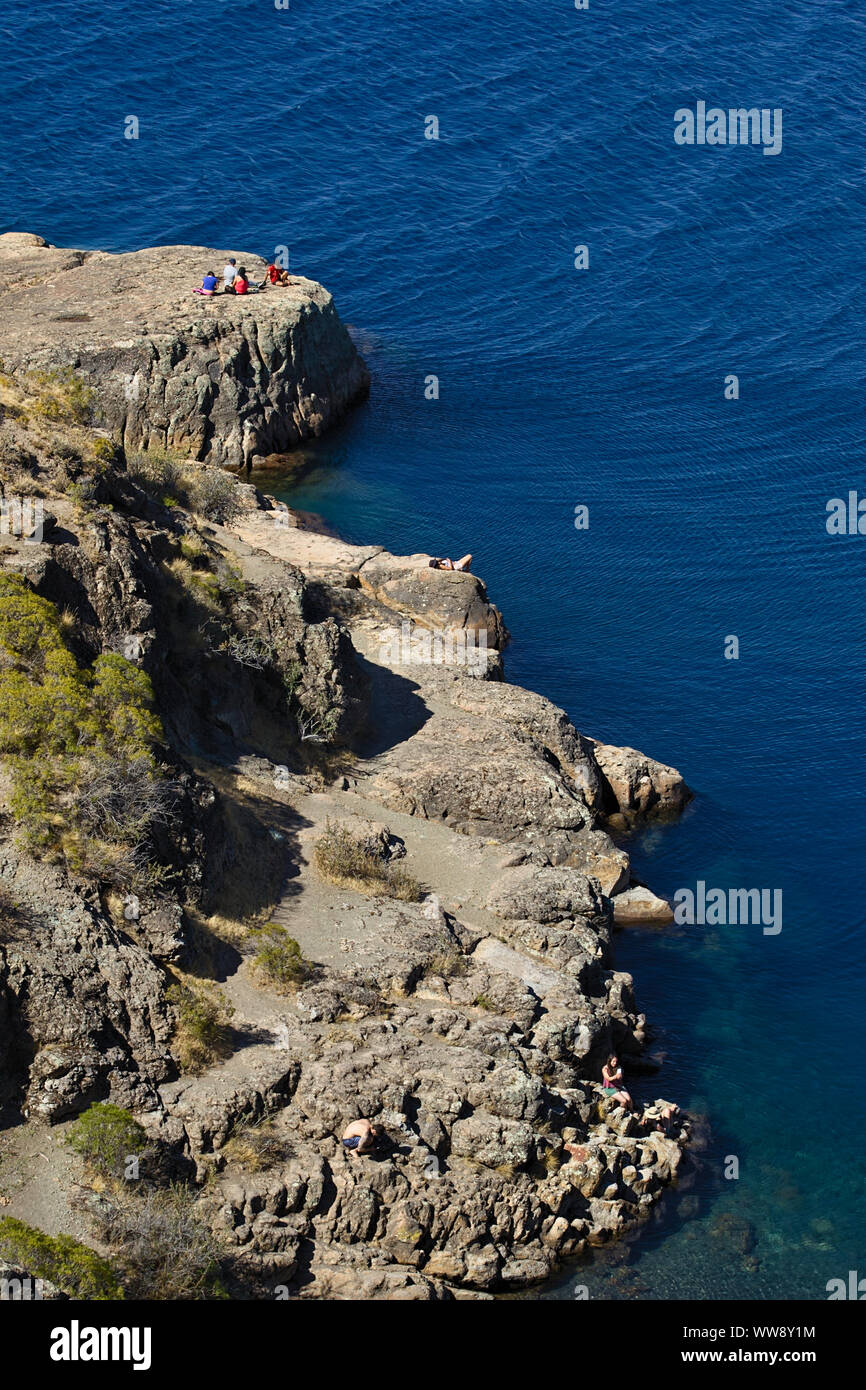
column 561, row 387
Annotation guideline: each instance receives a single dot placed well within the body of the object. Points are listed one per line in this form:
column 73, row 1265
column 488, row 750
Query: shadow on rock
column 397, row 712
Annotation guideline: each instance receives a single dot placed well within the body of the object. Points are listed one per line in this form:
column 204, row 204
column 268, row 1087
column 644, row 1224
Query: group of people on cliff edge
column 235, row 279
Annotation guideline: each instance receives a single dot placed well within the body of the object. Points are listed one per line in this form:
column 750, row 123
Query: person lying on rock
column 360, row 1137
column 611, row 1081
column 208, row 284
column 463, row 564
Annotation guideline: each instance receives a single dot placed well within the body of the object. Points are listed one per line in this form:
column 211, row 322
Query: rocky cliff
column 223, row 379
column 467, row 1005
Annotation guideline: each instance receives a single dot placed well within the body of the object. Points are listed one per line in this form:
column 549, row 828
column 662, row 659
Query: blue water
column 560, row 387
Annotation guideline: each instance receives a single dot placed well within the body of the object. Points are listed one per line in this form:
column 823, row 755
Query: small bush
column 315, row 728
column 105, row 1136
column 61, row 396
column 292, row 678
column 448, row 965
column 158, row 472
column 192, row 550
column 279, row 957
column 73, row 1267
column 79, row 741
column 253, row 652
column 354, row 862
column 203, row 1034
column 104, row 452
column 483, row 1001
column 213, row 494
column 171, row 479
column 164, row 1248
column 256, row 1148
column 200, row 584
column 82, row 494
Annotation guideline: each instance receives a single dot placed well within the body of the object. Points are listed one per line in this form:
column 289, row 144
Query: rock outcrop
column 500, row 1158
column 635, row 787
column 82, row 1005
column 472, row 1016
column 222, row 379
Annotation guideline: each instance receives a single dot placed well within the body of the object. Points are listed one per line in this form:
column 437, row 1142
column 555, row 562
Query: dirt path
column 38, row 1174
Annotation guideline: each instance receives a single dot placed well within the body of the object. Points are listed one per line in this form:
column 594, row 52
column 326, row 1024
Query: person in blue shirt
column 208, row 284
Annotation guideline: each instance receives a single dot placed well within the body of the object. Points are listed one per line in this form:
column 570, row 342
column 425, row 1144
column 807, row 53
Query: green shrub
column 69, row 733
column 279, row 957
column 192, row 550
column 103, row 451
column 203, row 1034
column 105, row 1136
column 352, row 861
column 73, row 1267
column 292, row 678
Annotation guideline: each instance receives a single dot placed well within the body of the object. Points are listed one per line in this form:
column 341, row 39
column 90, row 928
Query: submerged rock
column 636, row 905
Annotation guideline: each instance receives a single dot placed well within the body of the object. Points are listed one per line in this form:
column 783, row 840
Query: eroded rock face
column 83, row 1003
column 220, row 379
column 478, row 765
column 115, row 576
column 546, row 895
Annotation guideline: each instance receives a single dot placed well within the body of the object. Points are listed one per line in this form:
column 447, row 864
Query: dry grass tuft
column 352, row 861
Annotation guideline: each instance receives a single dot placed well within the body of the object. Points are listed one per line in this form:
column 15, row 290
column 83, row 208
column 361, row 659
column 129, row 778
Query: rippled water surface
column 559, row 387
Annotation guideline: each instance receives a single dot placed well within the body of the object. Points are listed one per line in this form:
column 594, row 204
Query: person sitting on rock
column 230, row 271
column 208, row 284
column 661, row 1115
column 463, row 564
column 360, row 1137
column 275, row 276
column 611, row 1081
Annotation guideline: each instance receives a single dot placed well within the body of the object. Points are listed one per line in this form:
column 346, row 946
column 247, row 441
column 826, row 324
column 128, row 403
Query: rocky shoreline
column 473, row 1021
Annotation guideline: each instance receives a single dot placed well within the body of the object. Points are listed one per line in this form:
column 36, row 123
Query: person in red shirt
column 277, row 276
column 241, row 284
